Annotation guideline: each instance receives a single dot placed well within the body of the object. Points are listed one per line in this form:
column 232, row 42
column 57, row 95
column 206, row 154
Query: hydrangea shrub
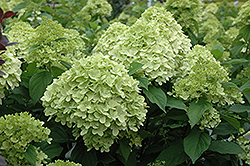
column 155, row 40
column 202, row 77
column 17, row 132
column 98, row 99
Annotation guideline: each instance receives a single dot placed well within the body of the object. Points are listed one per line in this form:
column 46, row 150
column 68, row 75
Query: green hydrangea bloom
column 245, row 144
column 202, row 77
column 63, row 163
column 98, row 98
column 210, row 9
column 49, row 42
column 243, row 15
column 97, row 8
column 229, row 36
column 23, row 33
column 155, row 40
column 12, row 70
column 212, row 29
column 210, row 119
column 17, row 132
column 8, row 5
column 110, row 38
column 187, row 12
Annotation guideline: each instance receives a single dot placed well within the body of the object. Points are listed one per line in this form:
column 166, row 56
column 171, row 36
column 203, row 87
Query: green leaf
column 32, row 69
column 143, row 82
column 245, row 87
column 59, row 134
column 217, row 52
column 105, row 158
column 196, row 143
column 176, row 103
column 90, row 158
column 125, row 148
column 245, row 31
column 30, row 155
column 56, row 71
column 234, row 61
column 196, row 109
column 131, row 160
column 19, row 7
column 224, row 129
column 237, row 48
column 61, row 38
column 34, row 47
column 38, row 84
column 238, row 108
column 48, row 9
column 232, row 121
column 93, row 25
column 65, row 64
column 177, row 115
column 78, row 152
column 173, row 155
column 46, row 15
column 192, row 37
column 156, row 95
column 134, row 66
column 52, row 150
column 224, row 147
column 229, row 85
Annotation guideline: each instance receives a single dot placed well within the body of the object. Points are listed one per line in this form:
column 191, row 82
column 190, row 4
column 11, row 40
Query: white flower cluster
column 155, row 40
column 12, row 70
column 98, row 99
column 17, row 132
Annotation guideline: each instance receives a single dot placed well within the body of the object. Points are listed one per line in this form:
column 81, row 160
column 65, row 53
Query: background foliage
column 111, row 83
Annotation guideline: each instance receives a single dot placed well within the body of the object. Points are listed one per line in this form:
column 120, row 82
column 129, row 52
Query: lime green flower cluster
column 96, row 8
column 210, row 9
column 98, row 98
column 48, row 43
column 229, row 36
column 155, row 40
column 157, row 163
column 8, row 5
column 245, row 144
column 210, row 119
column 63, row 163
column 202, row 77
column 187, row 12
column 243, row 15
column 110, row 38
column 12, row 70
column 17, row 132
column 212, row 29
